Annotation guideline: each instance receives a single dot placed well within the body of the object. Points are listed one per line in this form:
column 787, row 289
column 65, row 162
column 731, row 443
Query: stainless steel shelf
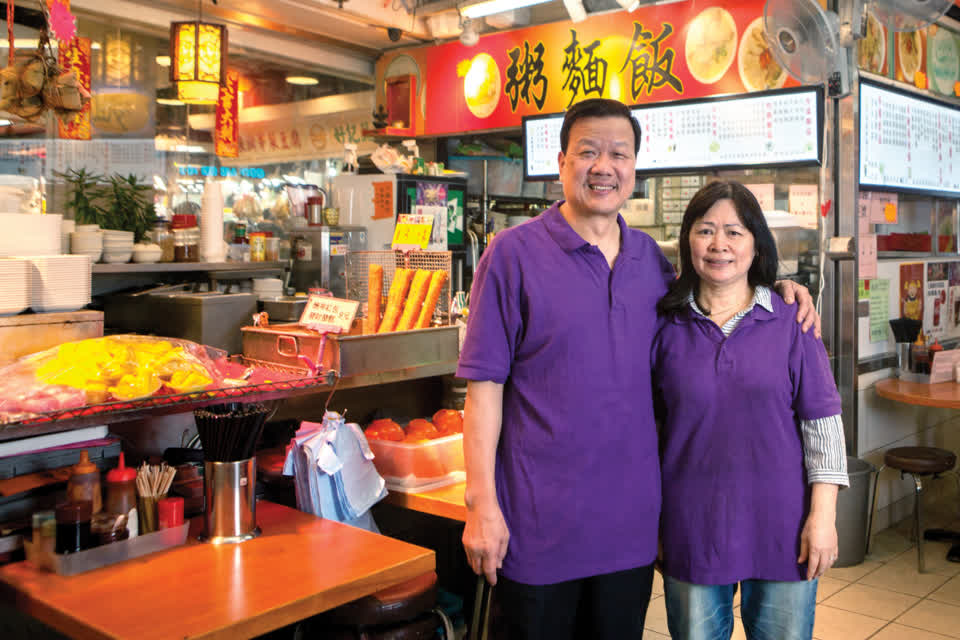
column 184, row 267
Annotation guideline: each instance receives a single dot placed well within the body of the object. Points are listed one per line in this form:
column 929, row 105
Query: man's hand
column 807, row 315
column 818, row 544
column 485, row 538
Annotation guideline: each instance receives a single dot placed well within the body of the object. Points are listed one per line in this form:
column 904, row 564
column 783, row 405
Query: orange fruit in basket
column 448, row 421
column 384, row 429
column 421, row 429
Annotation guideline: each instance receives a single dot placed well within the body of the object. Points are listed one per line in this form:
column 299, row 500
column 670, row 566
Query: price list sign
column 908, row 143
column 412, row 231
column 327, row 314
column 777, row 128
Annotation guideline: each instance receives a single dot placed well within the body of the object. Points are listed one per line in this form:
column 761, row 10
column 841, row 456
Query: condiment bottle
column 933, row 350
column 122, row 494
column 73, row 526
column 84, row 482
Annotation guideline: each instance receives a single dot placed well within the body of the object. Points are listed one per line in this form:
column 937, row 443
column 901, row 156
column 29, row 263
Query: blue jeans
column 770, row 610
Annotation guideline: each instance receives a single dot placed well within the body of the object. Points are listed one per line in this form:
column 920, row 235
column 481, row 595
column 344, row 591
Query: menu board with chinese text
column 777, row 128
column 908, row 143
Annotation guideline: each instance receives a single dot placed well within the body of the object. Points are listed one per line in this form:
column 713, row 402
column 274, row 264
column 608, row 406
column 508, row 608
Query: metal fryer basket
column 358, row 263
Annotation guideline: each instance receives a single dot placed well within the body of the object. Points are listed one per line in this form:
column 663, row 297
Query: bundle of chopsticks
column 230, row 432
column 905, row 329
column 153, row 483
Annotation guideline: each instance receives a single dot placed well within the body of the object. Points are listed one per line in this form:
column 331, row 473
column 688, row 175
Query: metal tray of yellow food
column 405, row 354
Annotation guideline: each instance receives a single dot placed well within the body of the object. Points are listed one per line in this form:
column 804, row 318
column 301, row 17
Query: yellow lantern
column 198, row 54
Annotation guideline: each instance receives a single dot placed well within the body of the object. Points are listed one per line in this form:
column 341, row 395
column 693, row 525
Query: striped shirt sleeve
column 824, row 451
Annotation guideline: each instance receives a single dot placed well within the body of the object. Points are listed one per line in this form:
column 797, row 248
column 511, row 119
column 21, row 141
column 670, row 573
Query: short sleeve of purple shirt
column 577, row 470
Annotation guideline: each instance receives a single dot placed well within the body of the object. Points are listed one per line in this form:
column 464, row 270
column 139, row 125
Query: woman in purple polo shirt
column 750, row 412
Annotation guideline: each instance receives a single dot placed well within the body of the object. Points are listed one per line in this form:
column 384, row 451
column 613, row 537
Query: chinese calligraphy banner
column 75, row 56
column 303, row 138
column 656, row 53
column 226, row 135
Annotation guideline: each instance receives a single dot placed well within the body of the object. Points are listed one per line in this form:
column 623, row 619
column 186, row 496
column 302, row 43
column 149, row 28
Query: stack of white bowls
column 87, row 240
column 266, row 288
column 66, row 228
column 14, row 285
column 59, row 283
column 117, row 245
column 29, row 235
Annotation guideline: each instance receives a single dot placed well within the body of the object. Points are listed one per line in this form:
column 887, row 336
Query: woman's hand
column 807, row 314
column 818, row 540
column 485, row 538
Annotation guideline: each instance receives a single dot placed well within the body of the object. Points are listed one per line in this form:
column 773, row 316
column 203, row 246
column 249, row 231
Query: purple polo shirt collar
column 570, row 241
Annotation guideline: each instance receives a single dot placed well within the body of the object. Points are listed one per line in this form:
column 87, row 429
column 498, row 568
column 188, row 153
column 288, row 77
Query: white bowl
column 81, row 241
column 116, row 257
column 87, row 228
column 146, row 252
column 93, row 254
column 109, row 234
column 120, row 245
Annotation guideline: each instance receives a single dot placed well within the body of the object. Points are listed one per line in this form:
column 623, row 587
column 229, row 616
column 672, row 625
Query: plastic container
column 186, row 238
column 74, row 563
column 258, row 246
column 84, row 482
column 169, row 512
column 162, row 236
column 73, row 527
column 122, row 494
column 407, row 466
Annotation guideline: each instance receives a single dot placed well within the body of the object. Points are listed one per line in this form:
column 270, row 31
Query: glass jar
column 186, row 238
column 163, row 237
column 73, row 526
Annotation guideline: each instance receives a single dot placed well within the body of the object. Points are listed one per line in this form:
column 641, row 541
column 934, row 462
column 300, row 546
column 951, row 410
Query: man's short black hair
column 598, row 108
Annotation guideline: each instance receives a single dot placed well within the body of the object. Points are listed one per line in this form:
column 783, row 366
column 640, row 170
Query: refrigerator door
column 368, row 200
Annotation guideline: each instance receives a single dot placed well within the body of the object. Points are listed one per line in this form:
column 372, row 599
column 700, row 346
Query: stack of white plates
column 14, row 285
column 267, row 287
column 117, row 245
column 29, row 235
column 59, row 283
column 87, row 241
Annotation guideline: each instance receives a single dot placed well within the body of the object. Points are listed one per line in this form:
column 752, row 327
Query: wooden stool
column 917, row 462
column 403, row 612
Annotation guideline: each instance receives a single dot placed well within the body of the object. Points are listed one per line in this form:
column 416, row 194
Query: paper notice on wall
column 438, row 237
column 935, row 309
column 911, row 291
column 803, row 201
column 863, row 214
column 879, row 309
column 763, row 194
column 883, row 208
column 867, row 256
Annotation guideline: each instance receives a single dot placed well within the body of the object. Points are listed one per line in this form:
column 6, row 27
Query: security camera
column 394, row 34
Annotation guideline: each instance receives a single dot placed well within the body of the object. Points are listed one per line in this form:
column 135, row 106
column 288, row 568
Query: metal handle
column 282, row 339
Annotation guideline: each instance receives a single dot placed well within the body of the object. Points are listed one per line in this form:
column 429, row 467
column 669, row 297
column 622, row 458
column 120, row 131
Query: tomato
column 422, row 429
column 384, row 429
column 448, row 421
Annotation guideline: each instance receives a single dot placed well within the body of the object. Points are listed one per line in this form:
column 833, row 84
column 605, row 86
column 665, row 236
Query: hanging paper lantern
column 198, row 54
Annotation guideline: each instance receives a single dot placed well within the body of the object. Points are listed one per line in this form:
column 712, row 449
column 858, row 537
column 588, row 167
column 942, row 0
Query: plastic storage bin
column 410, row 467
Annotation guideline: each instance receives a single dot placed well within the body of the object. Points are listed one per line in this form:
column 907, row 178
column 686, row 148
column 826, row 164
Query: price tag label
column 412, row 231
column 332, row 315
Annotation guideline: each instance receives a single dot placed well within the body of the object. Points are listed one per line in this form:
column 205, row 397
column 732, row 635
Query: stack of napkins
column 333, row 472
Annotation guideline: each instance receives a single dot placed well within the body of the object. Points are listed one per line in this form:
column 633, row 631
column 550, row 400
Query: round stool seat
column 920, row 459
column 398, row 603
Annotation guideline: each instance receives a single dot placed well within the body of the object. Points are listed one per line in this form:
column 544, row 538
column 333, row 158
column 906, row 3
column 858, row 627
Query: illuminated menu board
column 907, row 142
column 777, row 128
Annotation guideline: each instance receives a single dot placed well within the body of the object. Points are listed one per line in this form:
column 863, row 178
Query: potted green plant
column 84, row 190
column 127, row 217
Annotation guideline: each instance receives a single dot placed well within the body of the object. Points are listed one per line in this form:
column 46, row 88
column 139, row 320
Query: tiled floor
column 885, row 598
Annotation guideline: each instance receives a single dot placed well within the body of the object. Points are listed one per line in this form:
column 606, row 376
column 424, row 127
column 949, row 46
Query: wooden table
column 446, row 502
column 944, row 395
column 300, row 566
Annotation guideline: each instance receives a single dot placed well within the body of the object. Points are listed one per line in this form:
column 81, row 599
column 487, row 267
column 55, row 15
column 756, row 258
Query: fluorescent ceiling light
column 171, row 102
column 302, row 80
column 489, row 7
column 163, row 61
column 5, row 123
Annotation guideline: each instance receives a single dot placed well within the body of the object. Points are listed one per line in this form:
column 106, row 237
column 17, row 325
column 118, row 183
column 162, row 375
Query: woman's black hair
column 598, row 108
column 763, row 270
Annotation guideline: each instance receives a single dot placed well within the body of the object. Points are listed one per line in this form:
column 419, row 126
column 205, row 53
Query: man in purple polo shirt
column 563, row 479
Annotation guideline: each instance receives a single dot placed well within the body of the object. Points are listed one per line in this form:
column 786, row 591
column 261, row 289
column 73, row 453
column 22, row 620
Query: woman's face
column 721, row 247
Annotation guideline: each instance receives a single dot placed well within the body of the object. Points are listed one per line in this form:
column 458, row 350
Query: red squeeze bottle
column 122, row 494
